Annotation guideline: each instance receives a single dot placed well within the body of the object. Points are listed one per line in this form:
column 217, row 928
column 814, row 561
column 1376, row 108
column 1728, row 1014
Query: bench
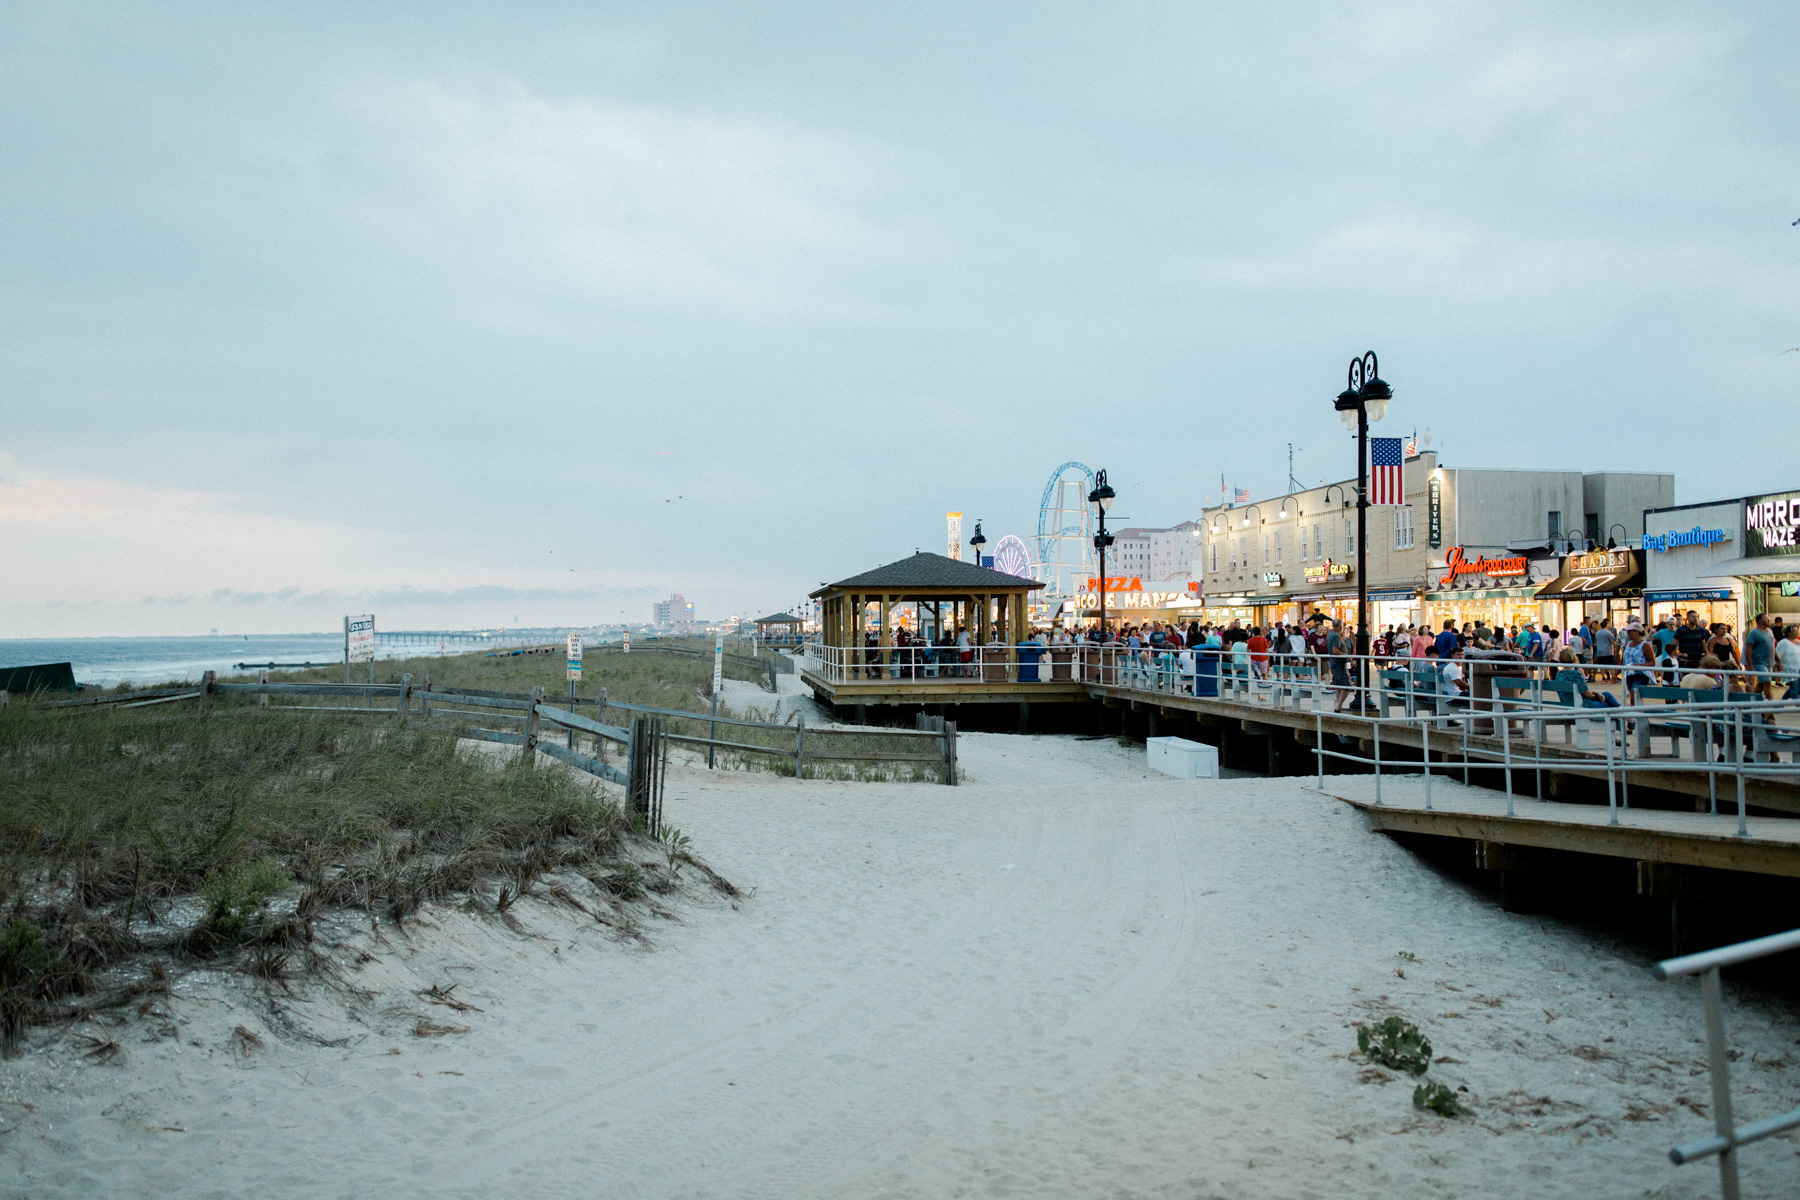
column 1547, row 693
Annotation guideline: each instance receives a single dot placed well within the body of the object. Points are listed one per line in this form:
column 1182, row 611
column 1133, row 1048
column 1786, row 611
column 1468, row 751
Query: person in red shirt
column 1259, row 652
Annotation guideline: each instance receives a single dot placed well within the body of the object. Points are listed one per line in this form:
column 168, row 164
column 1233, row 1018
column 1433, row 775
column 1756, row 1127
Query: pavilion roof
column 931, row 572
column 778, row 619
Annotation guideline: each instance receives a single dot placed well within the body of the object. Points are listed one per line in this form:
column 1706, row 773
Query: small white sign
column 359, row 639
column 718, row 661
column 574, row 656
column 628, row 641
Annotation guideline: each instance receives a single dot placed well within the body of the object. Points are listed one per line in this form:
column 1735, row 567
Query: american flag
column 1240, row 495
column 1385, row 485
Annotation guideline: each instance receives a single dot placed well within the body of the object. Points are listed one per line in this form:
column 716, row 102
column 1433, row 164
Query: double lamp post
column 1365, row 400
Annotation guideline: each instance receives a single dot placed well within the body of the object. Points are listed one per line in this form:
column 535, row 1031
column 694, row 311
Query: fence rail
column 1728, row 1135
column 788, row 741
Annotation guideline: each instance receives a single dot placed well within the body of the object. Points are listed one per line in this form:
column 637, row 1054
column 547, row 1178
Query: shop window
column 1403, row 527
column 1318, row 541
column 1278, row 547
column 1555, row 524
column 1265, row 549
column 1215, row 556
column 1349, row 537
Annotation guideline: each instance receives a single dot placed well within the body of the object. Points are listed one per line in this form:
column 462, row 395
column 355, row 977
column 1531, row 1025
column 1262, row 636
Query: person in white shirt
column 1787, row 657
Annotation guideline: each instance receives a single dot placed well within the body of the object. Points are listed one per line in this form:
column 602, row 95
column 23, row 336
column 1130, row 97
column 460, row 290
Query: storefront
column 1393, row 607
column 1499, row 591
column 1601, row 584
column 1130, row 600
column 1767, row 575
column 1682, row 547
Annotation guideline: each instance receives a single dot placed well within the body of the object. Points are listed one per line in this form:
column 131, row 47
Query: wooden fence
column 528, row 713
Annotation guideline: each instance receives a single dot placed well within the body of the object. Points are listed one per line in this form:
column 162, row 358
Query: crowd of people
column 1685, row 653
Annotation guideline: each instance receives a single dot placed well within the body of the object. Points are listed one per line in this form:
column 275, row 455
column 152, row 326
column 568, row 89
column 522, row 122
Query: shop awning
column 1777, row 566
column 1501, row 593
column 1597, row 575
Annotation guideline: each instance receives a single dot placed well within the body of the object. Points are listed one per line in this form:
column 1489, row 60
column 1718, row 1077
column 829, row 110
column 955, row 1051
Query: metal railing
column 1727, row 1135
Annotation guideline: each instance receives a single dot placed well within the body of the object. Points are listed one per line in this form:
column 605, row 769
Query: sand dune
column 1066, row 978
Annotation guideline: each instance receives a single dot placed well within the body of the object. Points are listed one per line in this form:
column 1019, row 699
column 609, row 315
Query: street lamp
column 1101, row 498
column 977, row 542
column 1365, row 400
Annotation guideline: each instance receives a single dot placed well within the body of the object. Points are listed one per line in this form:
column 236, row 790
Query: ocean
column 108, row 661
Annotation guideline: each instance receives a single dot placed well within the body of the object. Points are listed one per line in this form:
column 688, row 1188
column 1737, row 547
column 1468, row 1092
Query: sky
column 481, row 315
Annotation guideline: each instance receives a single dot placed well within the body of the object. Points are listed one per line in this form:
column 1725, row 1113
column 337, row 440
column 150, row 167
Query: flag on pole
column 1240, row 495
column 1221, row 487
column 1385, row 483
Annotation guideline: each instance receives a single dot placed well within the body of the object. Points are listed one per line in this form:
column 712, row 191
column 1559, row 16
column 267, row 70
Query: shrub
column 1439, row 1098
column 23, row 952
column 236, row 896
column 1397, row 1044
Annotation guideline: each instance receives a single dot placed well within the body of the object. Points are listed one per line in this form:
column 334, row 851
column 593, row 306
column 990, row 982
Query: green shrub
column 1397, row 1044
column 1439, row 1098
column 236, row 896
column 23, row 952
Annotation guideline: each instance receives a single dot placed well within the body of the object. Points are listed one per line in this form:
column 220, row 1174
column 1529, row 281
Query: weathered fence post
column 425, row 698
column 799, row 743
column 950, row 753
column 637, row 770
column 262, row 698
column 529, row 752
column 206, row 690
column 401, row 702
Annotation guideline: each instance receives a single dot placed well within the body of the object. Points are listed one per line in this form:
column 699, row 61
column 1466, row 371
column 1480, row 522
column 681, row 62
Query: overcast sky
column 475, row 314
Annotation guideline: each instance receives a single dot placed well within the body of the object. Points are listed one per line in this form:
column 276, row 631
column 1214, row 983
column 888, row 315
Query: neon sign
column 1662, row 543
column 1456, row 563
column 1771, row 524
column 1326, row 572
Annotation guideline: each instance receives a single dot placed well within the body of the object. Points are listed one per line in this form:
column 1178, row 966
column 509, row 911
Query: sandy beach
column 1068, row 977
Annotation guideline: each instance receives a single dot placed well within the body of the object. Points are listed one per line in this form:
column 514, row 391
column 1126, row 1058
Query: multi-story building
column 673, row 613
column 1130, row 552
column 1287, row 557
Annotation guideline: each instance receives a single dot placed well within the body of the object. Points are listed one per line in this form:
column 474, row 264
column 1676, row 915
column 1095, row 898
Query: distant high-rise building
column 673, row 612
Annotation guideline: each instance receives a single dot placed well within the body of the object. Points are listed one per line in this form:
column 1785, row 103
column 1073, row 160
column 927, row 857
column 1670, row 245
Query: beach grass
column 126, row 832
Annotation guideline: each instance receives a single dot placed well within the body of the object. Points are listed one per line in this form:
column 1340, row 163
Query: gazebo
column 945, row 594
column 782, row 629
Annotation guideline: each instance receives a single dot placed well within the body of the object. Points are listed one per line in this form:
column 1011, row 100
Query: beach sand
column 1068, row 977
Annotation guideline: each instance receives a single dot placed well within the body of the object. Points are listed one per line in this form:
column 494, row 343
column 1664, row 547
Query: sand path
column 1066, row 978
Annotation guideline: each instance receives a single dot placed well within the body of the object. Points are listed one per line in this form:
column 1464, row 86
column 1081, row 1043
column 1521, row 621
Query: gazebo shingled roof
column 926, row 570
column 779, row 618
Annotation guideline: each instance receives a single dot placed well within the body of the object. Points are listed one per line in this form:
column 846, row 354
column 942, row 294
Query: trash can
column 1483, row 666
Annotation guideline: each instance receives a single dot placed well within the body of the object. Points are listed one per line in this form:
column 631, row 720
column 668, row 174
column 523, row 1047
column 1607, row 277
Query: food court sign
column 1130, row 591
column 1772, row 525
column 1456, row 564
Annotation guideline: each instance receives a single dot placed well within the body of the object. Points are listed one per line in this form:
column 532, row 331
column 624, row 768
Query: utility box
column 1183, row 759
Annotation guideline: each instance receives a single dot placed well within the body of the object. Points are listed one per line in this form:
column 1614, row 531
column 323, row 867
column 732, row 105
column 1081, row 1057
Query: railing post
column 950, row 753
column 425, row 698
column 1506, row 756
column 402, row 700
column 1425, row 743
column 1737, row 716
column 262, row 698
column 528, row 752
column 799, row 744
column 1319, row 743
column 206, row 692
column 1612, row 800
column 1377, row 762
column 1719, row 1064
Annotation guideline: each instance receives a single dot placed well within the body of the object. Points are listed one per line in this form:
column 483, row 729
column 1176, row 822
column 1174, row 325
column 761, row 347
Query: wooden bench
column 1542, row 694
column 1692, row 728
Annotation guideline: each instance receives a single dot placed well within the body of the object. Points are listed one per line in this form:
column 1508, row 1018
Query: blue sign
column 1664, row 542
column 1689, row 594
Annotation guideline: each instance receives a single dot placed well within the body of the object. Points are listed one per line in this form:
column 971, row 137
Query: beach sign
column 628, row 641
column 574, row 656
column 718, row 661
column 359, row 639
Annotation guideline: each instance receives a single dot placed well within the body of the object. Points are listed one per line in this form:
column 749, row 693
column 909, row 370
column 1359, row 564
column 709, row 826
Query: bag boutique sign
column 1662, row 543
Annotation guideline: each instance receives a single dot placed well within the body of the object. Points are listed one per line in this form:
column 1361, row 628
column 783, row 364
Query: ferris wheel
column 1065, row 533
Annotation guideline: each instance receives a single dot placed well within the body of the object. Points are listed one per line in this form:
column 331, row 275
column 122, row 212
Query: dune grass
column 130, row 831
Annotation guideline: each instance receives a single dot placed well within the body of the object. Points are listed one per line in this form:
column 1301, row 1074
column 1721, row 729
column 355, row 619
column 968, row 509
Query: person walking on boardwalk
column 1340, row 648
column 1759, row 656
column 1691, row 639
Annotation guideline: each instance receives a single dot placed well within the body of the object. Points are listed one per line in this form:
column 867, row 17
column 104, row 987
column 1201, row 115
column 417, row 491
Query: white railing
column 1030, row 662
column 1728, row 1135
